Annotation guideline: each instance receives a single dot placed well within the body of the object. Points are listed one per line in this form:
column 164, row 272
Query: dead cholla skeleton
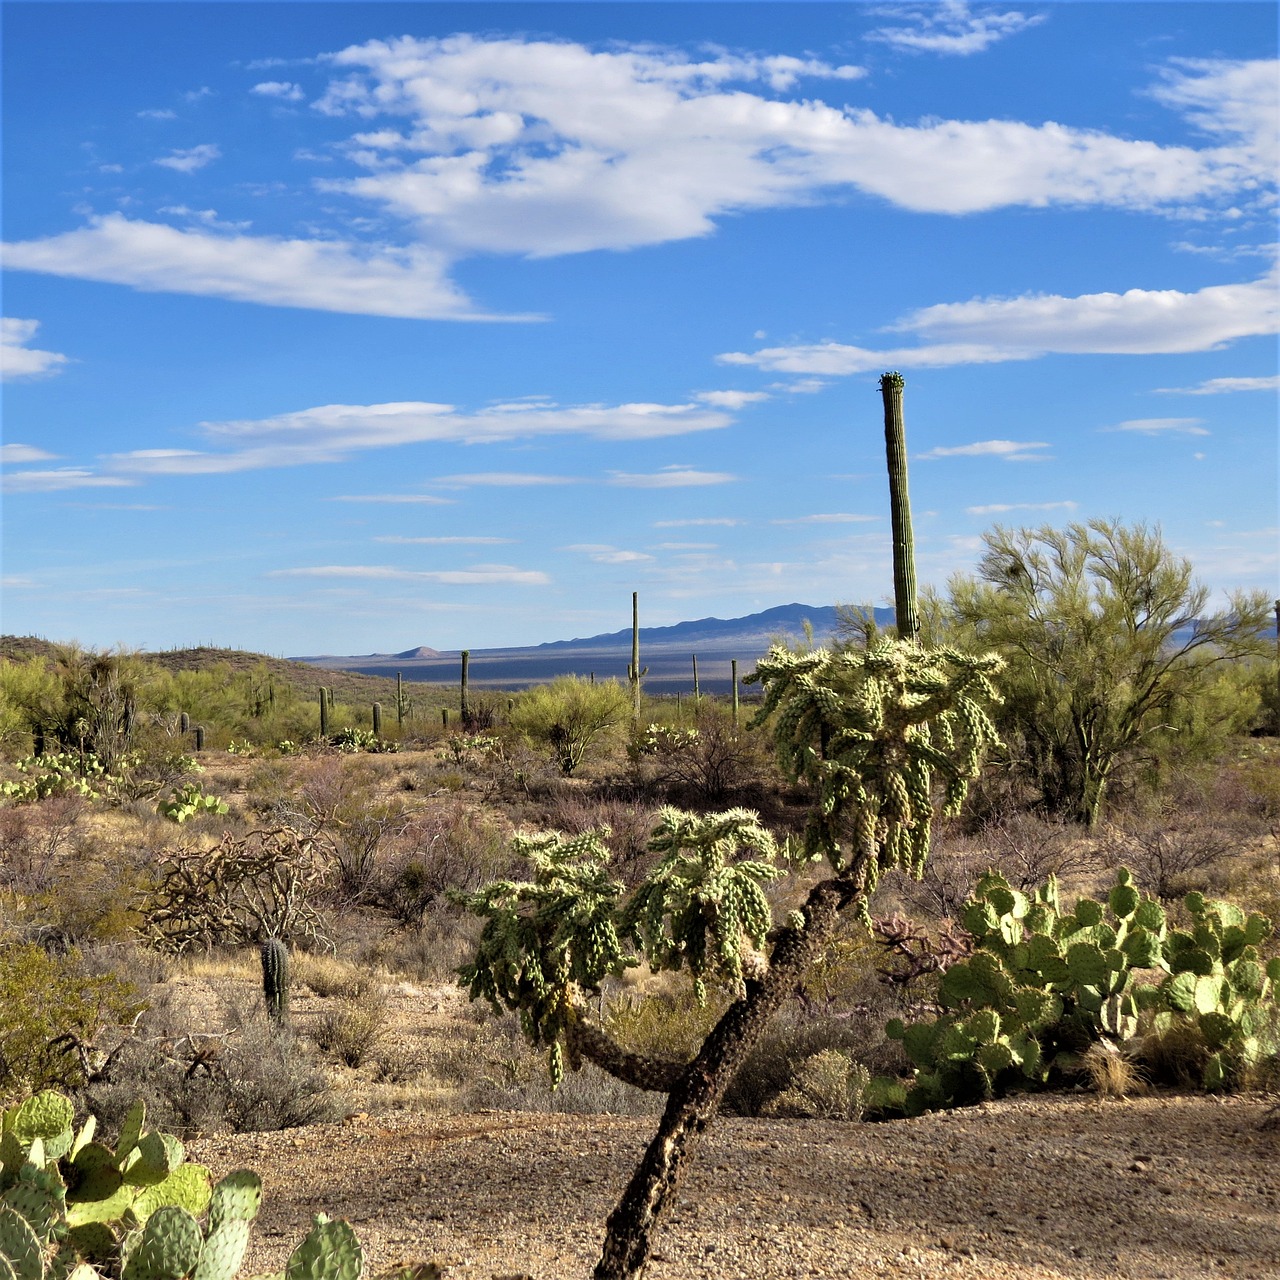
column 244, row 889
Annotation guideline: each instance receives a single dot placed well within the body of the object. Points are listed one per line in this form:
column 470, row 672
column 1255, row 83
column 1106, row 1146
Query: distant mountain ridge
column 666, row 651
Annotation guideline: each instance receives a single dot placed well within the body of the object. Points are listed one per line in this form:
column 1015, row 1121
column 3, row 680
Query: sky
column 352, row 327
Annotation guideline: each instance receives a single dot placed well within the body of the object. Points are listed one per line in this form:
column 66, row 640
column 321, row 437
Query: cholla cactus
column 870, row 728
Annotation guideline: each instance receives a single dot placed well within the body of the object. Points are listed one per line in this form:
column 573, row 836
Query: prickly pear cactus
column 71, row 1208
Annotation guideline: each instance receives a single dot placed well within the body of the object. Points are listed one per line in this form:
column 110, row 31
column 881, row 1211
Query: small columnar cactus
column 275, row 978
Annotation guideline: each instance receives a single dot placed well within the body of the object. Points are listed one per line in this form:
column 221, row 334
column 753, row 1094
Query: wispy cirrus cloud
column 600, row 553
column 1162, row 426
column 458, row 540
column 15, row 454
column 20, row 360
column 834, row 517
column 994, row 330
column 503, row 480
column 673, row 477
column 727, row 522
column 1003, row 508
column 51, row 481
column 1005, row 450
column 473, row 575
column 394, row 499
column 330, row 433
column 1225, row 386
column 951, row 27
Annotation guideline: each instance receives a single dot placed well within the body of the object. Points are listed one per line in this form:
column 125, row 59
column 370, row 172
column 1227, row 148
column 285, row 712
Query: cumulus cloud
column 190, row 159
column 951, row 28
column 674, row 477
column 1005, row 450
column 1223, row 386
column 731, row 399
column 1162, row 426
column 542, row 148
column 476, row 574
column 325, row 275
column 283, row 89
column 994, row 330
column 17, row 359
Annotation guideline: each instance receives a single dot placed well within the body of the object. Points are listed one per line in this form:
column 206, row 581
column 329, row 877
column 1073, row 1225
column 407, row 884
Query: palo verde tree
column 1109, row 645
column 868, row 731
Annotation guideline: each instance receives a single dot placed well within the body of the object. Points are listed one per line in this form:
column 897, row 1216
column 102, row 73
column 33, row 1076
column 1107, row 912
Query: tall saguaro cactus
column 904, row 556
column 634, row 672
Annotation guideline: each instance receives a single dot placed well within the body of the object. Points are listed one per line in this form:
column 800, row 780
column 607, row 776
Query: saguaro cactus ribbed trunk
column 633, row 670
column 904, row 556
column 463, row 709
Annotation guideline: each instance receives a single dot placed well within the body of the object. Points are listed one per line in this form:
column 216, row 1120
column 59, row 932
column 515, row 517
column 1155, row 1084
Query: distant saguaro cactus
column 904, row 556
column 634, row 672
column 696, row 690
column 184, row 723
column 733, row 668
column 399, row 699
column 377, row 719
column 463, row 709
column 275, row 978
column 324, row 712
column 199, row 737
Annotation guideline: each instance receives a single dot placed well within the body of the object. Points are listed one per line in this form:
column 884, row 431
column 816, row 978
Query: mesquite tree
column 868, row 731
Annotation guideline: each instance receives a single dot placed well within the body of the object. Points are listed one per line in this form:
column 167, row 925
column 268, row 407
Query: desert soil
column 1159, row 1187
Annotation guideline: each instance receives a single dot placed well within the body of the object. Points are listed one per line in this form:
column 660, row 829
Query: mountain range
column 668, row 652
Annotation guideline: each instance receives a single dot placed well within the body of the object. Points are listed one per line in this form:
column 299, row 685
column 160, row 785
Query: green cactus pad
column 1088, row 912
column 93, row 1240
column 1037, row 1008
column 1087, row 964
column 984, row 1026
column 981, row 919
column 20, row 1244
column 1150, row 915
column 187, row 1187
column 169, row 1249
column 35, row 1205
column 158, row 1155
column 238, row 1195
column 1142, row 948
column 48, row 1116
column 110, row 1209
column 329, row 1252
column 1248, row 979
column 93, row 1174
column 87, row 1130
column 1215, row 1072
column 131, row 1129
column 224, row 1250
column 1273, row 968
column 83, row 1271
column 1124, row 900
column 995, row 1058
column 1218, row 1029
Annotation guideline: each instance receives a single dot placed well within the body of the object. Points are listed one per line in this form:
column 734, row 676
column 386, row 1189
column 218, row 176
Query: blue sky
column 353, row 327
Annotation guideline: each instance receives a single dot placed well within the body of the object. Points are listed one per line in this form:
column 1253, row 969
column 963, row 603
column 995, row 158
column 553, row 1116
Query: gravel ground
column 1161, row 1187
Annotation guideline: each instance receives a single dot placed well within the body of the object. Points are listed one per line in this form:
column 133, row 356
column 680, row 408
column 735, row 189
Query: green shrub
column 570, row 715
column 49, row 1005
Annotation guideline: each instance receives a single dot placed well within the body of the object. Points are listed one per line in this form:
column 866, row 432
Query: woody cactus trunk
column 904, row 556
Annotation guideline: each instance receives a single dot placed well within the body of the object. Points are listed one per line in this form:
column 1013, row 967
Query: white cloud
column 283, row 89
column 477, row 574
column 731, row 399
column 393, row 498
column 59, row 478
column 189, row 159
column 1236, row 101
column 1162, row 426
column 675, row 477
column 17, row 359
column 331, row 432
column 456, row 541
column 545, row 148
column 601, row 554
column 835, row 517
column 17, row 454
column 324, row 275
column 727, row 522
column 206, row 217
column 994, row 330
column 503, row 480
column 1000, row 508
column 158, row 113
column 1222, row 386
column 951, row 27
column 1005, row 450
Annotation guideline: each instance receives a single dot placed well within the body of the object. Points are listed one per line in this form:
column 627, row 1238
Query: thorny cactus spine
column 275, row 978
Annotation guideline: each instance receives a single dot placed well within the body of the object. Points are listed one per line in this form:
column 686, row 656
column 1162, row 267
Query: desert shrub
column 570, row 716
column 828, row 1086
column 1172, row 859
column 33, row 840
column 243, row 1075
column 702, row 765
column 630, row 826
column 50, row 1009
column 352, row 1030
column 327, row 975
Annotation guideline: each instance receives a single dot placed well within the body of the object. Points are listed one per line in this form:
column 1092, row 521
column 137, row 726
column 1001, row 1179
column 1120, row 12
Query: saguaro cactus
column 377, row 719
column 275, row 978
column 634, row 673
column 463, row 709
column 697, row 693
column 324, row 712
column 733, row 668
column 399, row 700
column 904, row 559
